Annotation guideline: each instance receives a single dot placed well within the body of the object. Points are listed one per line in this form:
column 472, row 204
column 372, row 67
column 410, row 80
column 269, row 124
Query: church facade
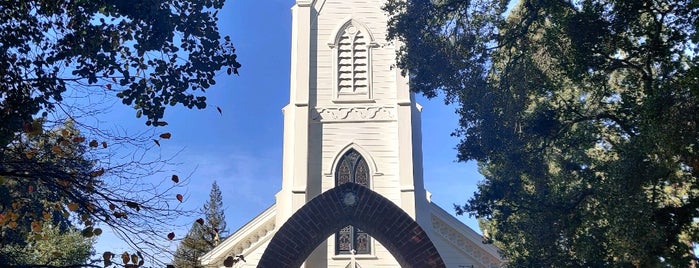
column 351, row 120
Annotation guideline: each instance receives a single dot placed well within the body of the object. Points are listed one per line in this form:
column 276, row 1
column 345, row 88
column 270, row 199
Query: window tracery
column 352, row 168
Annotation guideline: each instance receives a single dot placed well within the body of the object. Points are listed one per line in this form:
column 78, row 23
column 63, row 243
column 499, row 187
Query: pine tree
column 205, row 234
column 192, row 247
column 215, row 225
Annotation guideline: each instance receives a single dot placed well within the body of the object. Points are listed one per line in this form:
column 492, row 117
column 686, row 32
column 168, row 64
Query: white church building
column 352, row 188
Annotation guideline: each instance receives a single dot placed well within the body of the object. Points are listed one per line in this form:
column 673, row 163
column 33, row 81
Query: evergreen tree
column 205, row 234
column 215, row 225
column 192, row 247
column 56, row 247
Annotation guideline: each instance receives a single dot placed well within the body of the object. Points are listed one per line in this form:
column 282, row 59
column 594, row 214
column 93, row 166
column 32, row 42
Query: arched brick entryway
column 353, row 204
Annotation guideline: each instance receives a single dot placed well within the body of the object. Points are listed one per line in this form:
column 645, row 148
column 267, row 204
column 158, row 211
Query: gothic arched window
column 352, row 168
column 352, row 47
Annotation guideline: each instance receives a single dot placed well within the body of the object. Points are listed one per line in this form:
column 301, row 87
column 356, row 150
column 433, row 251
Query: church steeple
column 352, row 188
column 346, row 96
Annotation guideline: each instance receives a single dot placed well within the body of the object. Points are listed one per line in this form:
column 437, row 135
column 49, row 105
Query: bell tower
column 352, row 159
column 350, row 117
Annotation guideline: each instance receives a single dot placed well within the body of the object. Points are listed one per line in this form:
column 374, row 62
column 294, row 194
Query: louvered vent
column 353, row 62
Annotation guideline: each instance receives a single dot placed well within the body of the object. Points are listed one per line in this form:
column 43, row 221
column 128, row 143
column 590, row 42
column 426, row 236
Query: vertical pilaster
column 296, row 116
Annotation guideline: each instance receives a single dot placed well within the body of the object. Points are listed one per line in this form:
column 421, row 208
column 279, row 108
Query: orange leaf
column 36, row 226
column 73, row 206
column 166, row 135
column 171, row 236
column 175, row 178
column 179, row 197
column 78, row 139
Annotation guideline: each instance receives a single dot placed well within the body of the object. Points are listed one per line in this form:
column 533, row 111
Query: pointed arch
column 340, row 28
column 371, row 163
column 352, row 168
column 351, row 43
column 350, row 204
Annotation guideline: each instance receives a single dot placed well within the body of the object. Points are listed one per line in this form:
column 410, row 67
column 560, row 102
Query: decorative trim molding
column 265, row 230
column 353, row 114
column 248, row 237
column 462, row 243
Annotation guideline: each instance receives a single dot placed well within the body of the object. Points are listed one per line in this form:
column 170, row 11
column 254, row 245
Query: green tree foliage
column 215, row 221
column 59, row 60
column 57, row 248
column 205, row 233
column 583, row 116
column 150, row 54
column 191, row 248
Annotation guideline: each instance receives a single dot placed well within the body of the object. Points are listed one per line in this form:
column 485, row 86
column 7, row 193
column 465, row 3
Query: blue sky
column 242, row 147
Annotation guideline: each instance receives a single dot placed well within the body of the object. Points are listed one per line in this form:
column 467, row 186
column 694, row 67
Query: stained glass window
column 352, row 168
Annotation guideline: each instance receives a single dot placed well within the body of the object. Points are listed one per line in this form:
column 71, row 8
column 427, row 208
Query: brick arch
column 357, row 205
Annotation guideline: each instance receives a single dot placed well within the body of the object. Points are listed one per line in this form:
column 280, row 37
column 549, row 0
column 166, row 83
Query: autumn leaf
column 133, row 205
column 175, row 178
column 78, row 139
column 161, row 123
column 30, row 188
column 112, row 207
column 166, row 135
column 229, row 261
column 36, row 226
column 97, row 231
column 97, row 173
column 179, row 197
column 171, row 236
column 125, row 257
column 87, row 232
column 104, row 144
column 73, row 206
column 93, row 143
column 107, row 257
column 200, row 221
